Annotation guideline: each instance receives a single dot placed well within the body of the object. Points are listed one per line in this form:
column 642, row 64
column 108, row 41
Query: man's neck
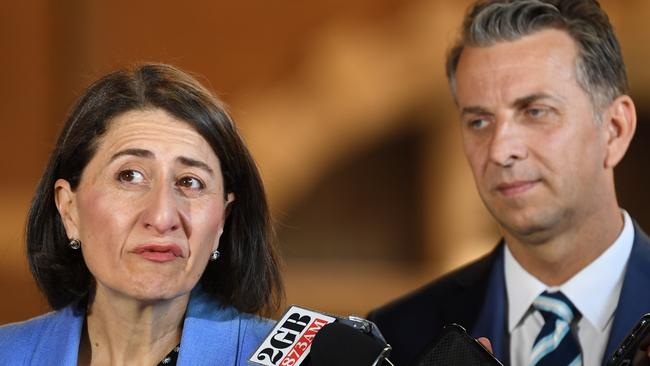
column 558, row 258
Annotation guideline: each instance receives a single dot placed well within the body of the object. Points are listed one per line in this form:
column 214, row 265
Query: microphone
column 456, row 347
column 304, row 337
column 342, row 345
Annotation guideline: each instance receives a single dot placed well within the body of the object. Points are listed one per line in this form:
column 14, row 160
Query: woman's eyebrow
column 195, row 163
column 142, row 153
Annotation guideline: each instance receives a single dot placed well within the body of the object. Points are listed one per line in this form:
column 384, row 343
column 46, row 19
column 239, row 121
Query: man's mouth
column 515, row 188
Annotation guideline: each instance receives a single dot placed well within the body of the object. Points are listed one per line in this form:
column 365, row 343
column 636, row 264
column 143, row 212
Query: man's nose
column 507, row 145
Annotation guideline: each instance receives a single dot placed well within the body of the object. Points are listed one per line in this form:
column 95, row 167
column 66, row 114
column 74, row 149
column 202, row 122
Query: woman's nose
column 161, row 212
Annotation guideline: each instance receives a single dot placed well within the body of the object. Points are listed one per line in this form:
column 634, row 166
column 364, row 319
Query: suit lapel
column 491, row 322
column 634, row 300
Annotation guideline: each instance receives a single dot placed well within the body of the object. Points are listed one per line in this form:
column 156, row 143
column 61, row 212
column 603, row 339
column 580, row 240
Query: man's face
column 530, row 134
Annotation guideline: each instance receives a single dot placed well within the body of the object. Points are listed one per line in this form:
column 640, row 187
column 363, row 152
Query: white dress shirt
column 594, row 291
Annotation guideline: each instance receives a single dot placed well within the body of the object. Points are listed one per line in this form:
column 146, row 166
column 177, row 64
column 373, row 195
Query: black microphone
column 456, row 347
column 304, row 337
column 342, row 345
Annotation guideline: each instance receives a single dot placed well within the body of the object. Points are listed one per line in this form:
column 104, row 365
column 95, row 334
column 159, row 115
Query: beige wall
column 311, row 85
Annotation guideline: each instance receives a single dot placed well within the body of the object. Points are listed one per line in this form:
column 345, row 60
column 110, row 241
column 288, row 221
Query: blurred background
column 343, row 103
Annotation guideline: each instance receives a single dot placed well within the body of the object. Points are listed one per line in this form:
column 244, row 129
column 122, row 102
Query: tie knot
column 555, row 304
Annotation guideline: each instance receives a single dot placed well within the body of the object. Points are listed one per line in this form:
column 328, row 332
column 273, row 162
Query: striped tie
column 555, row 344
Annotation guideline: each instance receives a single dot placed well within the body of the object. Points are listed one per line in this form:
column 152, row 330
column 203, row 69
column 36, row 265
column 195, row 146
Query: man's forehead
column 542, row 44
column 542, row 63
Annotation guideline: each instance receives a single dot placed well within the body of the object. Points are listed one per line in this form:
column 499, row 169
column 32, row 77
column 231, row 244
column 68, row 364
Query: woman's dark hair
column 247, row 274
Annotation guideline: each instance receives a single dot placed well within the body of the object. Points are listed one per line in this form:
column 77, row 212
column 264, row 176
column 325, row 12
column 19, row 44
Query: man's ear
column 64, row 198
column 619, row 126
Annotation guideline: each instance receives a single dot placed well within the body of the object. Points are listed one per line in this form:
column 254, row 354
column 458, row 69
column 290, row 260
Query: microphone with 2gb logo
column 304, row 337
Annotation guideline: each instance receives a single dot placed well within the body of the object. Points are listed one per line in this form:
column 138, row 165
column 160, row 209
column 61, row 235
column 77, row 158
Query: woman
column 148, row 233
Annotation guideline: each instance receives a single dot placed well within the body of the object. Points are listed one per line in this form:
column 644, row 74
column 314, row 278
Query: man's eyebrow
column 518, row 103
column 529, row 99
column 195, row 163
column 142, row 153
column 475, row 110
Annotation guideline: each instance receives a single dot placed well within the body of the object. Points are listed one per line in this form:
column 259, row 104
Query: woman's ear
column 230, row 198
column 619, row 124
column 64, row 197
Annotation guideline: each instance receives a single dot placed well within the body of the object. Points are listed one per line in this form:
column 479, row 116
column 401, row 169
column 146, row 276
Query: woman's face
column 149, row 208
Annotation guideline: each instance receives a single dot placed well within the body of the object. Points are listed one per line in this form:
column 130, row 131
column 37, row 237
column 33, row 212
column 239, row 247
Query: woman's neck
column 120, row 330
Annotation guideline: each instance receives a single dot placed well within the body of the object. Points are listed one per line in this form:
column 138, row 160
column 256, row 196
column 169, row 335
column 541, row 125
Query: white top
column 594, row 291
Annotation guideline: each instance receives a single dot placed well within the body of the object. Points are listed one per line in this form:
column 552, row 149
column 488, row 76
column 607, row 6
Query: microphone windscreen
column 456, row 347
column 341, row 345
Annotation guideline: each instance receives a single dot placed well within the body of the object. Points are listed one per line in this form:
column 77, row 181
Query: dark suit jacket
column 474, row 296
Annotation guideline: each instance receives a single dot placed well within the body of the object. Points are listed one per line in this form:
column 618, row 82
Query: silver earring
column 215, row 255
column 74, row 244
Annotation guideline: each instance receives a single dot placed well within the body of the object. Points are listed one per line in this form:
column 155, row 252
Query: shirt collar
column 594, row 290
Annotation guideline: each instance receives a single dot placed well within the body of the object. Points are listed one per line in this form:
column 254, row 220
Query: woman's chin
column 150, row 292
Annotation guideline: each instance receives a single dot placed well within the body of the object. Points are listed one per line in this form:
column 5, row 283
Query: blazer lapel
column 634, row 300
column 210, row 333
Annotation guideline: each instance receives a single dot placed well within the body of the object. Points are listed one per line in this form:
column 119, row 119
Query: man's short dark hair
column 599, row 66
column 246, row 275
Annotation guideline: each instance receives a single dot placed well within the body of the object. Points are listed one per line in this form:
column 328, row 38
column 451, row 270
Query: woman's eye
column 130, row 176
column 190, row 183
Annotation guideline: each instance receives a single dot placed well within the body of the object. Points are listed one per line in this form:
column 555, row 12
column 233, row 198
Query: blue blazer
column 212, row 335
column 475, row 297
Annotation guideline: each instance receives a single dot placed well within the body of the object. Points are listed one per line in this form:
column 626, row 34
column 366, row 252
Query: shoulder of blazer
column 54, row 333
column 468, row 280
column 414, row 320
column 16, row 337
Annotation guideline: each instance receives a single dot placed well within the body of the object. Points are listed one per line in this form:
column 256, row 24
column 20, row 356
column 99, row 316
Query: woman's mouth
column 159, row 252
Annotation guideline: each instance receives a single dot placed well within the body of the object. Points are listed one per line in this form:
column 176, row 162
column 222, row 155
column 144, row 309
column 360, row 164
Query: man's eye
column 477, row 124
column 130, row 176
column 536, row 112
column 190, row 183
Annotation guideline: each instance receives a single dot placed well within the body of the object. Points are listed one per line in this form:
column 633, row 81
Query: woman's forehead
column 154, row 136
column 155, row 129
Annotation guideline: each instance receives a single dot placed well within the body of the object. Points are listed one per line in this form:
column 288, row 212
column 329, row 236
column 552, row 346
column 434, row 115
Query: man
column 541, row 90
